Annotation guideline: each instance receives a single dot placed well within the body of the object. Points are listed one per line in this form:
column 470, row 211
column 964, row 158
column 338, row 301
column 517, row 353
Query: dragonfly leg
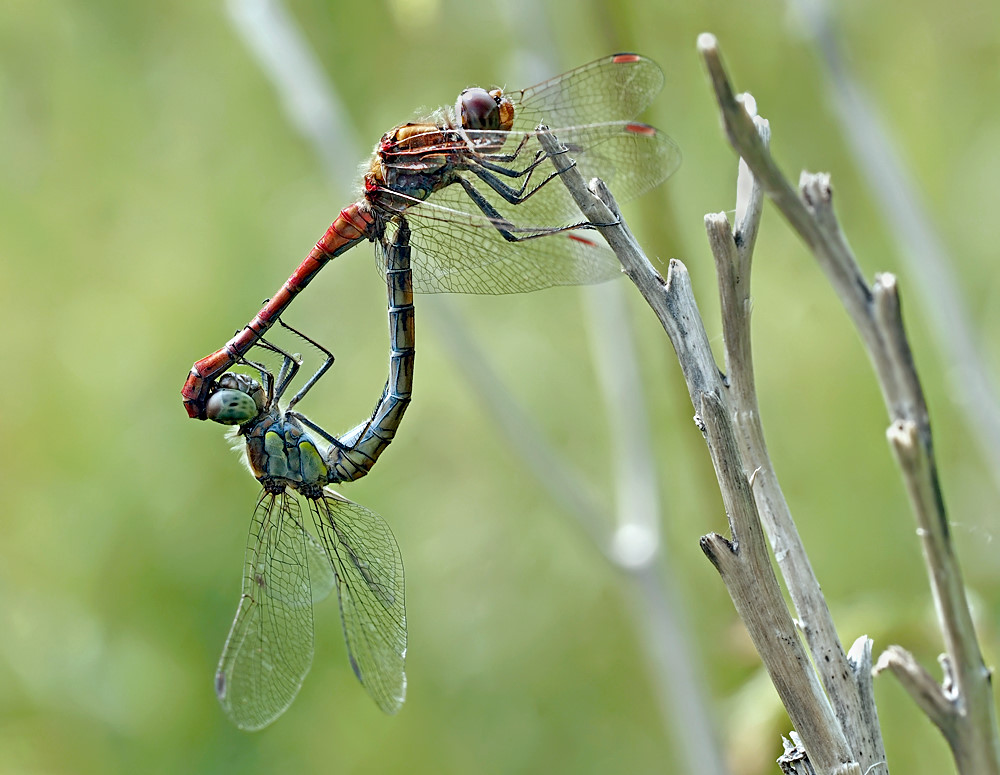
column 320, row 431
column 266, row 377
column 506, row 158
column 491, row 164
column 509, row 193
column 483, row 168
column 289, row 366
column 495, row 161
column 506, row 227
column 327, row 363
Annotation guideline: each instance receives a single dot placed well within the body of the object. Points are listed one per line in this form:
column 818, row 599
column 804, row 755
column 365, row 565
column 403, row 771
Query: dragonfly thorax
column 409, row 158
column 280, row 452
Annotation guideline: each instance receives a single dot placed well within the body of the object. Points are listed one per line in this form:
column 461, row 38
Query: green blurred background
column 152, row 192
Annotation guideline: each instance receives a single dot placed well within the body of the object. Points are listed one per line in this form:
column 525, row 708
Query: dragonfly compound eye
column 478, row 109
column 231, row 407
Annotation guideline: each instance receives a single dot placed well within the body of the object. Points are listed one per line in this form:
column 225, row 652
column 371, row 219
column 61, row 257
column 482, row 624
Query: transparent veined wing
column 459, row 248
column 369, row 570
column 269, row 649
column 613, row 88
column 321, row 577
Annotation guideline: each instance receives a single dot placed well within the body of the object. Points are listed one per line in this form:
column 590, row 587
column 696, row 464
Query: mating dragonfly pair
column 487, row 215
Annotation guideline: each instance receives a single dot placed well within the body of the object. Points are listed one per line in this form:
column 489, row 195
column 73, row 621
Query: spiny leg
column 327, row 363
column 506, row 227
column 485, row 172
column 266, row 377
column 289, row 366
column 507, row 158
column 488, row 161
column 329, row 437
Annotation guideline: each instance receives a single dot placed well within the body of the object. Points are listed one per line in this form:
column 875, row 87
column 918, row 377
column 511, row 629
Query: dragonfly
column 478, row 191
column 287, row 567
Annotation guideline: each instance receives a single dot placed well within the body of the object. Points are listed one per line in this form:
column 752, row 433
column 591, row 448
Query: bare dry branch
column 922, row 686
column 743, row 563
column 876, row 314
column 911, row 225
column 854, row 708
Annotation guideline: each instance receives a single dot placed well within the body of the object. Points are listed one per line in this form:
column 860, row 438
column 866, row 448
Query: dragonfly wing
column 270, row 646
column 321, row 577
column 614, row 88
column 456, row 252
column 631, row 158
column 459, row 248
column 369, row 572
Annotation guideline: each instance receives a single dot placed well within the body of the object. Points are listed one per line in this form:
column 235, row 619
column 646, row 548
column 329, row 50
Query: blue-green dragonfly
column 270, row 647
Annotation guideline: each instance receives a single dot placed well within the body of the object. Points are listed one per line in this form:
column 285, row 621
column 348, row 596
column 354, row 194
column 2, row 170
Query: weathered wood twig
column 743, row 562
column 911, row 225
column 847, row 684
column 964, row 708
column 841, row 734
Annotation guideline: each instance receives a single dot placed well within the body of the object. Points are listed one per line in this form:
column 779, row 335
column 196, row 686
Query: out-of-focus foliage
column 152, row 193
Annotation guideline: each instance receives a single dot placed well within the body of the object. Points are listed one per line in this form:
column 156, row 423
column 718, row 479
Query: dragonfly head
column 237, row 400
column 481, row 109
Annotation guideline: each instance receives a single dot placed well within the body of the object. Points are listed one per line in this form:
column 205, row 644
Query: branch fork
column 827, row 692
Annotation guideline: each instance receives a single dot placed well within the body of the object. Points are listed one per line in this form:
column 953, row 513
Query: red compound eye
column 478, row 109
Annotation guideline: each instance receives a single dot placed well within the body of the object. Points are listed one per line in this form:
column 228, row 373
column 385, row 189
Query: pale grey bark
column 743, row 562
column 831, row 706
column 970, row 724
column 911, row 225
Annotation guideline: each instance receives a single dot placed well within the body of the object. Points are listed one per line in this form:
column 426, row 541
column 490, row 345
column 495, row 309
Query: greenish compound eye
column 230, row 407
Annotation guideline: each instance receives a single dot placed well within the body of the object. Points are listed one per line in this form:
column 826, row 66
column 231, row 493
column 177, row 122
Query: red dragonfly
column 475, row 187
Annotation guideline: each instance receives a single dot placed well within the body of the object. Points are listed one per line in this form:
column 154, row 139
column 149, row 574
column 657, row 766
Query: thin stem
column 733, row 253
column 876, row 314
column 743, row 563
column 919, row 243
